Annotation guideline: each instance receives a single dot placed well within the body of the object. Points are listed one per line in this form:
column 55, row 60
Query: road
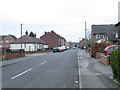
column 57, row 70
column 51, row 70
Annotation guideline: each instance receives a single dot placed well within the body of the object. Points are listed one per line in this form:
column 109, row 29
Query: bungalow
column 28, row 44
column 103, row 32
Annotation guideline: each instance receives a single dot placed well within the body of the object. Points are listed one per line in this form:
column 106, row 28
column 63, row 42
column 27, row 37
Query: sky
column 65, row 17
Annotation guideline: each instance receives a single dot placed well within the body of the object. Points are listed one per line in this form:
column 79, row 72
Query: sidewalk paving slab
column 94, row 66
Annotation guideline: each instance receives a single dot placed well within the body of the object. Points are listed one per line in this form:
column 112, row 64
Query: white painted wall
column 45, row 46
column 27, row 47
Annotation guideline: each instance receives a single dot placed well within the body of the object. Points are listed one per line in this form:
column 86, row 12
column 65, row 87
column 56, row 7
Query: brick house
column 82, row 43
column 28, row 43
column 5, row 41
column 53, row 39
column 106, row 32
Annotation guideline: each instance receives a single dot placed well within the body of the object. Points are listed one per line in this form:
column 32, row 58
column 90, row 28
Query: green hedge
column 115, row 63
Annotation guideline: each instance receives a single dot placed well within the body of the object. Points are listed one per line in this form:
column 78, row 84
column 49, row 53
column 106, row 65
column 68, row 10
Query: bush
column 98, row 47
column 115, row 63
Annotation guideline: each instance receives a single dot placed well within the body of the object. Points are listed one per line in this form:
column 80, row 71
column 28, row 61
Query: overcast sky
column 65, row 17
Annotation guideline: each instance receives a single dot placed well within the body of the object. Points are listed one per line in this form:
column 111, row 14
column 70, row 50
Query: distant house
column 106, row 32
column 28, row 43
column 54, row 40
column 5, row 41
column 82, row 43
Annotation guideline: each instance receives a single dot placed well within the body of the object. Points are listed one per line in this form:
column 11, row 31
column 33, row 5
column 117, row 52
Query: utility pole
column 21, row 36
column 85, row 37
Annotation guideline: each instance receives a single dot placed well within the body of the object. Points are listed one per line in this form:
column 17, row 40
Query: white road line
column 21, row 73
column 43, row 63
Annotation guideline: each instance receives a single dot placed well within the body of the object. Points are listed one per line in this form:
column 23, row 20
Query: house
column 118, row 27
column 83, row 43
column 103, row 32
column 5, row 41
column 28, row 43
column 53, row 39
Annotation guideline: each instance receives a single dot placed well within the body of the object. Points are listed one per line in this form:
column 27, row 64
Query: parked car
column 73, row 47
column 110, row 48
column 68, row 48
column 57, row 49
column 64, row 48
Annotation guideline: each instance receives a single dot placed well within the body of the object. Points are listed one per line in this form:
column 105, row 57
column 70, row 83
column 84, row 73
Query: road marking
column 97, row 74
column 43, row 63
column 21, row 73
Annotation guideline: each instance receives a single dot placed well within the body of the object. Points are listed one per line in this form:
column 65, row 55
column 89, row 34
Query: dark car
column 57, row 49
column 110, row 48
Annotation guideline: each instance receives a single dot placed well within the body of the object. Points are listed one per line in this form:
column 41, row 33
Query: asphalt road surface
column 51, row 70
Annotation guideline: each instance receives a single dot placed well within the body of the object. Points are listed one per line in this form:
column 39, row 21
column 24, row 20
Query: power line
column 54, row 25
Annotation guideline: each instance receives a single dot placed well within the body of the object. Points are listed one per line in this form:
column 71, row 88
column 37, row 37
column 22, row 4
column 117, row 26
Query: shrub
column 98, row 47
column 115, row 63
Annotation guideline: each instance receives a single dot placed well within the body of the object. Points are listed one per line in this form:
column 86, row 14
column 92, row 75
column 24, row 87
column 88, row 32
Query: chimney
column 35, row 35
column 26, row 33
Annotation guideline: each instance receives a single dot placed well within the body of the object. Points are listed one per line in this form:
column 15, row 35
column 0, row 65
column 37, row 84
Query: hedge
column 115, row 63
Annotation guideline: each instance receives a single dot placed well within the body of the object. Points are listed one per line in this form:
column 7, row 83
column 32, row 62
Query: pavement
column 92, row 69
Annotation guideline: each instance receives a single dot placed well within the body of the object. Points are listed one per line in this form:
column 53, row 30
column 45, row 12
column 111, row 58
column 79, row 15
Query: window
column 97, row 36
column 1, row 41
column 25, row 45
column 7, row 40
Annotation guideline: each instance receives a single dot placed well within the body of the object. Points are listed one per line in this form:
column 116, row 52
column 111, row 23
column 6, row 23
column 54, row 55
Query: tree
column 32, row 34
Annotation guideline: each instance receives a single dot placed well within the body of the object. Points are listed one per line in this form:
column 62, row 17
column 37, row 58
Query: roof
column 4, row 36
column 52, row 32
column 104, row 29
column 27, row 39
column 117, row 24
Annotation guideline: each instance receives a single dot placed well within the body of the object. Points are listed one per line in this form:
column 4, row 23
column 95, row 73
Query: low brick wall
column 97, row 55
column 14, row 55
column 105, row 59
column 0, row 58
column 43, row 51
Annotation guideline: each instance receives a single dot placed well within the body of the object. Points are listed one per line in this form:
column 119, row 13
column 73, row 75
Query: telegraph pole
column 21, row 36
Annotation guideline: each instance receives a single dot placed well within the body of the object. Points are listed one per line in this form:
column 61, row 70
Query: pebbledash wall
column 28, row 47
